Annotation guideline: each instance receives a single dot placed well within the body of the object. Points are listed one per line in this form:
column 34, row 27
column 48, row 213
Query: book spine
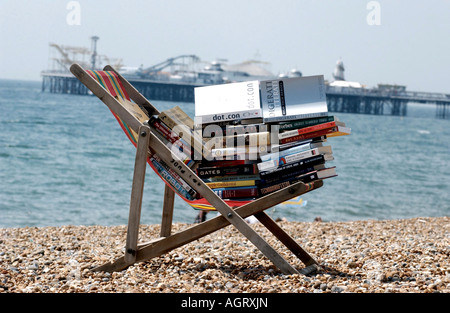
column 245, row 169
column 299, row 165
column 238, row 192
column 183, row 155
column 230, row 116
column 176, row 119
column 309, row 135
column 269, row 189
column 237, row 153
column 289, row 151
column 306, row 178
column 285, row 176
column 233, row 130
column 295, row 132
column 171, row 180
column 167, row 133
column 251, row 140
column 176, row 116
column 236, row 183
column 306, row 123
column 268, row 165
column 231, row 178
column 221, row 163
column 293, row 117
column 180, row 180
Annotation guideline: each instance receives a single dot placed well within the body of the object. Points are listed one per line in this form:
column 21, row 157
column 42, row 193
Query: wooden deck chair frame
column 148, row 143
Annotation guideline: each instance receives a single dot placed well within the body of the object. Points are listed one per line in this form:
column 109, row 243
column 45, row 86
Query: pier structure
column 175, row 80
column 383, row 100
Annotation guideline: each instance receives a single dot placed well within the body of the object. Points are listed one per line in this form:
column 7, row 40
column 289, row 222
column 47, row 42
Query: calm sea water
column 64, row 160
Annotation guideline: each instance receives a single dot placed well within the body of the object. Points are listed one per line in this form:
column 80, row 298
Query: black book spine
column 292, row 167
column 244, row 169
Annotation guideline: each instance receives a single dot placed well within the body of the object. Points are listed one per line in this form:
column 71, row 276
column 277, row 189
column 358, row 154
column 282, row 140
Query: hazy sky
column 410, row 46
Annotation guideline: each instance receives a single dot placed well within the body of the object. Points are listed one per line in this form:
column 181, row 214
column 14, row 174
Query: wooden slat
column 136, row 194
column 106, row 97
column 134, row 94
column 200, row 230
column 192, row 179
column 284, row 237
column 167, row 214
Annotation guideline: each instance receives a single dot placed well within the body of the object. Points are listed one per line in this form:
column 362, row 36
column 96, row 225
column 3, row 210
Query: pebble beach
column 370, row 256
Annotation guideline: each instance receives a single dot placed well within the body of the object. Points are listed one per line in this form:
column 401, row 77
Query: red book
column 304, row 130
column 318, row 133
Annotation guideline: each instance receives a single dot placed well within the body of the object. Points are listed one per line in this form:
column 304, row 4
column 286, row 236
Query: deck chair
column 120, row 97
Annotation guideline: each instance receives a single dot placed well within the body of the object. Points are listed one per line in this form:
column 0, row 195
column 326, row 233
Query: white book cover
column 293, row 98
column 224, row 102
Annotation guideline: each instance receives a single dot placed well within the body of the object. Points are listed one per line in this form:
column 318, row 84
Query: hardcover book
column 293, row 98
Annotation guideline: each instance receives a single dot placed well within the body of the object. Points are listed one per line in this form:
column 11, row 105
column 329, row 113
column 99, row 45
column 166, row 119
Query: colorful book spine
column 235, row 183
column 167, row 133
column 237, row 192
column 183, row 183
column 289, row 151
column 179, row 122
column 323, row 132
column 341, row 131
column 305, row 130
column 307, row 122
column 170, row 179
column 183, row 155
column 231, row 178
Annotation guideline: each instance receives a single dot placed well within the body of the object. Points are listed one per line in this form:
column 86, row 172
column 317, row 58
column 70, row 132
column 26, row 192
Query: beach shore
column 393, row 256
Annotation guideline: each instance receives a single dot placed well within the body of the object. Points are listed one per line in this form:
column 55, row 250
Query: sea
column 64, row 160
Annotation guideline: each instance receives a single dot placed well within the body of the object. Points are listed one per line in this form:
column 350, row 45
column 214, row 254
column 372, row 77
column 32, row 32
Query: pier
column 383, row 100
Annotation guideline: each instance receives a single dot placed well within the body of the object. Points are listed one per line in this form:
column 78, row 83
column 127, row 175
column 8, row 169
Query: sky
column 404, row 42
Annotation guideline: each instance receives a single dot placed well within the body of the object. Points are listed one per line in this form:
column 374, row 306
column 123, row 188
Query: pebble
column 393, row 256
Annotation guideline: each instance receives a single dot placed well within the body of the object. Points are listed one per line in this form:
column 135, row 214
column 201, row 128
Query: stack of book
column 250, row 139
column 263, row 136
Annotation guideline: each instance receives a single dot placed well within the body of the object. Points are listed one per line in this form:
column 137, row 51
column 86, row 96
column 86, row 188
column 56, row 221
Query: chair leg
column 136, row 194
column 284, row 237
column 166, row 223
